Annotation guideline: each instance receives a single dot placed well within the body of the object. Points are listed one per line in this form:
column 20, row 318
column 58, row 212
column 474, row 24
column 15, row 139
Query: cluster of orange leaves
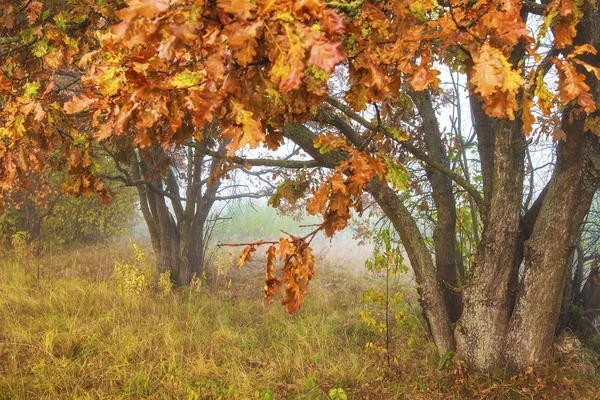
column 171, row 66
column 298, row 269
column 39, row 43
column 389, row 36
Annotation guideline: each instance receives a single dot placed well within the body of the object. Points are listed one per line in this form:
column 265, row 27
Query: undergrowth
column 80, row 331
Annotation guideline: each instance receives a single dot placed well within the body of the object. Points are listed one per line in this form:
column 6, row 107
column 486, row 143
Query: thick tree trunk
column 548, row 250
column 486, row 298
column 547, row 253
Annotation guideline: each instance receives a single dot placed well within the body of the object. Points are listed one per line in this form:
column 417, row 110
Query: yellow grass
column 77, row 334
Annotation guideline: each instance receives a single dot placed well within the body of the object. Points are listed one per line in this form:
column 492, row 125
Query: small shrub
column 337, row 394
column 19, row 244
column 134, row 277
column 164, row 283
column 196, row 283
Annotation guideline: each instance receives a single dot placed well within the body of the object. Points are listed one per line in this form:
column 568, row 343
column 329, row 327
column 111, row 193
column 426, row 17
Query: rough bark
column 547, row 253
column 486, row 143
column 486, row 297
column 548, row 250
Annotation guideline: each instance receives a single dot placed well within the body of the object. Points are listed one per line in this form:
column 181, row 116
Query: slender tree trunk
column 448, row 263
column 431, row 294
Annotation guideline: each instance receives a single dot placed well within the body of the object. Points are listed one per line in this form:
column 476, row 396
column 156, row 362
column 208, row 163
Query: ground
column 73, row 326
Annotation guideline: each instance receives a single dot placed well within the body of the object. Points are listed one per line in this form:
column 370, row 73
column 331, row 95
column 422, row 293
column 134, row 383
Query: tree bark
column 547, row 252
column 177, row 235
column 486, row 298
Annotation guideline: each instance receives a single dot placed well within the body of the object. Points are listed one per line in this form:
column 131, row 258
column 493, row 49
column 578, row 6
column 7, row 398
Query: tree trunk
column 177, row 232
column 548, row 250
column 486, row 297
column 448, row 262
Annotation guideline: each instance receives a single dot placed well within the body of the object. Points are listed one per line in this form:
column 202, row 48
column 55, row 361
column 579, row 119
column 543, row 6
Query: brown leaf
column 33, row 11
column 246, row 255
column 325, row 55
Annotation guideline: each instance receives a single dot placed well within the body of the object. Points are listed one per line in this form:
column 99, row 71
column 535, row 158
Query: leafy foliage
column 87, row 220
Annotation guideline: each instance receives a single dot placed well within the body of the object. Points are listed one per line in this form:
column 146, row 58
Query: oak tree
column 259, row 70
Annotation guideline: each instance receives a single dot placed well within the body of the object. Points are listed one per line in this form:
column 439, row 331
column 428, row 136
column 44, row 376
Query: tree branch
column 256, row 162
column 243, row 196
column 415, row 151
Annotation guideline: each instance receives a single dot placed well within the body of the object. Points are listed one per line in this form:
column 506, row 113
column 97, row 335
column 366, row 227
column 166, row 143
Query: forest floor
column 81, row 329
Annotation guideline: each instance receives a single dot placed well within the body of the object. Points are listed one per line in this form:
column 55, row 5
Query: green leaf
column 40, row 49
column 397, row 175
column 186, row 79
column 324, row 149
column 61, row 21
column 446, row 359
column 337, row 394
column 31, row 89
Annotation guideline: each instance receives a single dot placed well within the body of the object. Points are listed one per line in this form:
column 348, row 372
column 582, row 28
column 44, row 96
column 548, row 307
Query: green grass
column 75, row 334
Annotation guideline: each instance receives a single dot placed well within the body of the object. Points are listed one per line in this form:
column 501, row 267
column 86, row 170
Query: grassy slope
column 77, row 335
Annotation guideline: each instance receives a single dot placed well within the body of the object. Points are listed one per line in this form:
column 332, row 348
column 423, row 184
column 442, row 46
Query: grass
column 76, row 333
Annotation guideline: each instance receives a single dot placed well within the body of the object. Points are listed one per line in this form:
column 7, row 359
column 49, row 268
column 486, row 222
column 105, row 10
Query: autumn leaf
column 6, row 20
column 78, row 104
column 543, row 95
column 528, row 117
column 424, row 76
column 325, row 55
column 572, row 86
column 240, row 8
column 271, row 281
column 329, row 141
column 145, row 8
column 496, row 81
column 246, row 255
column 317, row 202
column 186, row 79
column 285, row 248
column 33, row 11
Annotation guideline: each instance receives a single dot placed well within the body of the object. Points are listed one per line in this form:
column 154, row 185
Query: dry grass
column 77, row 334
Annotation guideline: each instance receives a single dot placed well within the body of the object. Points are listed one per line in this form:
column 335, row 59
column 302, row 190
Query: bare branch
column 256, row 162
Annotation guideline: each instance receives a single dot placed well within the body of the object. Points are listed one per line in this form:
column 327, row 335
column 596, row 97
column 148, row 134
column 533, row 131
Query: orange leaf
column 325, row 55
column 496, row 82
column 78, row 104
column 246, row 255
column 528, row 117
column 285, row 248
column 240, row 8
column 33, row 11
column 572, row 86
column 424, row 76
